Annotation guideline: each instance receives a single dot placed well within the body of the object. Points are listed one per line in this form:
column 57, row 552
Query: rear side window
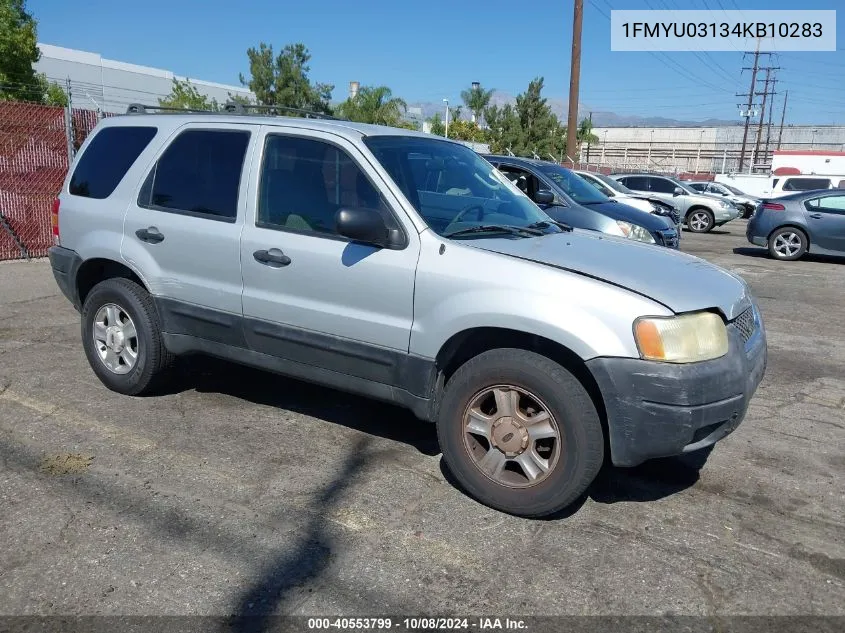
column 107, row 159
column 198, row 174
column 805, row 184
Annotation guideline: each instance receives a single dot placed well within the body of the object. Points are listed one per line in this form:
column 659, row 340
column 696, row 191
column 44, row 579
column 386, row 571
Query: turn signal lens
column 686, row 338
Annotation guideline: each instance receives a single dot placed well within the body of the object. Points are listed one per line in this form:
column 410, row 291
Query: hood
column 681, row 282
column 627, row 213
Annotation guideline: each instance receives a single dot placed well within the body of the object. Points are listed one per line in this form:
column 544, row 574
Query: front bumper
column 65, row 264
column 661, row 409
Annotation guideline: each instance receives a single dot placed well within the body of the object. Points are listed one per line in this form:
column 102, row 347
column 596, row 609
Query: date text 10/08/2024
column 417, row 623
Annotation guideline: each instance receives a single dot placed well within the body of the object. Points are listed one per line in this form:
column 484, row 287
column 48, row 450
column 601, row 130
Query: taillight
column 774, row 206
column 54, row 220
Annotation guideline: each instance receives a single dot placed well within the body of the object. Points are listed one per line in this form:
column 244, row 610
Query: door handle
column 273, row 258
column 817, row 216
column 150, row 235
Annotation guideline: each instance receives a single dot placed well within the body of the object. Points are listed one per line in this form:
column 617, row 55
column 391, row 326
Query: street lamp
column 446, row 101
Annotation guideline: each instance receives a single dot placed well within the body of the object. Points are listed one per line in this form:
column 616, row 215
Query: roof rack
column 232, row 107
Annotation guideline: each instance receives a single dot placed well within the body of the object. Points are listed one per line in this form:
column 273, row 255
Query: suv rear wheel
column 519, row 432
column 700, row 220
column 121, row 336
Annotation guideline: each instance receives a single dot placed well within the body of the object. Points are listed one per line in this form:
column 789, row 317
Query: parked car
column 701, row 213
column 404, row 267
column 642, row 201
column 804, row 222
column 567, row 198
column 742, row 201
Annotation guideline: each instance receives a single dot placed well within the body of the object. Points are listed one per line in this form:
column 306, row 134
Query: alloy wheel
column 115, row 338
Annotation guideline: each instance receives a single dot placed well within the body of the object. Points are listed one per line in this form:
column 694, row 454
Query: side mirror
column 365, row 226
column 678, row 191
column 544, row 196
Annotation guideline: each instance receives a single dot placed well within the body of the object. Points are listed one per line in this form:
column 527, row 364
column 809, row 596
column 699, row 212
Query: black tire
column 790, row 234
column 700, row 220
column 581, row 450
column 153, row 360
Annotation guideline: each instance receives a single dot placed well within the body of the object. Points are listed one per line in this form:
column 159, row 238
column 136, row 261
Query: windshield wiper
column 499, row 228
column 595, row 201
column 543, row 224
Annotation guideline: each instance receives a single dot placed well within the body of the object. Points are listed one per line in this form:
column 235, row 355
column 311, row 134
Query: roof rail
column 232, row 107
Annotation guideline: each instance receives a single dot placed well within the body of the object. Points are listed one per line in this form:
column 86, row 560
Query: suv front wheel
column 700, row 220
column 121, row 336
column 519, row 432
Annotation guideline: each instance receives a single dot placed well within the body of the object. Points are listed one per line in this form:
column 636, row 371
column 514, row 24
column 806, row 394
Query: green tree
column 464, row 130
column 585, row 134
column 18, row 52
column 455, row 114
column 437, row 126
column 373, row 104
column 526, row 127
column 184, row 94
column 282, row 80
column 476, row 99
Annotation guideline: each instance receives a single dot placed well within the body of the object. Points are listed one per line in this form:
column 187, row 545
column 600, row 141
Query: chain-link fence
column 37, row 143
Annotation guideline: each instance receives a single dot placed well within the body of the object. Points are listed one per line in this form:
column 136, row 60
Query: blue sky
column 429, row 50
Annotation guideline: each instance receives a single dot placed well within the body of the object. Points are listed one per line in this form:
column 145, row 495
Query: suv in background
column 742, row 201
column 404, row 267
column 642, row 201
column 788, row 185
column 700, row 212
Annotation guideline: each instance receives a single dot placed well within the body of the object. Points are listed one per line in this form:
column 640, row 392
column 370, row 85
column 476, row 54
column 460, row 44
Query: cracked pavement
column 247, row 493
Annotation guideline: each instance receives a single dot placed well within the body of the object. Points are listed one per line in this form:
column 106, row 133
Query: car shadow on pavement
column 762, row 253
column 208, row 375
column 651, row 480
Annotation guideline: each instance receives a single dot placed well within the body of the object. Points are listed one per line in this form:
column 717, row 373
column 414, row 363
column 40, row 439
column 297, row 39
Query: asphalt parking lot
column 247, row 493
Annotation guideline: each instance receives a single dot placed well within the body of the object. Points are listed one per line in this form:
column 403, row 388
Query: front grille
column 746, row 324
column 670, row 238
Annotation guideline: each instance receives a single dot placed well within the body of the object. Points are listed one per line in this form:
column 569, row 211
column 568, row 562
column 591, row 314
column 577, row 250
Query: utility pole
column 765, row 95
column 747, row 113
column 782, row 117
column 574, row 78
column 769, row 124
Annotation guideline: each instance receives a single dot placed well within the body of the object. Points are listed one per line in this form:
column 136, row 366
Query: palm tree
column 476, row 99
column 373, row 104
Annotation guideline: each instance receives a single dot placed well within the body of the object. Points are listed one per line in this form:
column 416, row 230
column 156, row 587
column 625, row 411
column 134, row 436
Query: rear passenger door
column 311, row 295
column 183, row 226
column 826, row 221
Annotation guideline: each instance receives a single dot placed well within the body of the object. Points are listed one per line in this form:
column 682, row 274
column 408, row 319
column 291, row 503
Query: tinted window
column 598, row 184
column 661, row 185
column 575, row 187
column 199, row 173
column 805, row 184
column 637, row 183
column 304, row 182
column 107, row 159
column 698, row 186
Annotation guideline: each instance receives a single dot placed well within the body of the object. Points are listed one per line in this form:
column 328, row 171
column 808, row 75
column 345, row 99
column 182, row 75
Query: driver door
column 319, row 298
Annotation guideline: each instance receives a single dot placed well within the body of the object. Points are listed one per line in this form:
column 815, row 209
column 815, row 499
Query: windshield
column 614, row 184
column 733, row 190
column 453, row 188
column 575, row 187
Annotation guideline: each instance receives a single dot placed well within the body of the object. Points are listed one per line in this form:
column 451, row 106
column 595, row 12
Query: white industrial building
column 97, row 83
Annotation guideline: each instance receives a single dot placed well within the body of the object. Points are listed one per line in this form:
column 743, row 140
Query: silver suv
column 701, row 212
column 403, row 267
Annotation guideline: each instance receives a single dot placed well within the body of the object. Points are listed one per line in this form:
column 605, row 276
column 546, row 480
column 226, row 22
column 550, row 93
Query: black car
column 566, row 197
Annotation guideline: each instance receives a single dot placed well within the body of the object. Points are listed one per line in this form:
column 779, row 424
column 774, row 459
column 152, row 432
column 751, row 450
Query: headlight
column 635, row 232
column 687, row 338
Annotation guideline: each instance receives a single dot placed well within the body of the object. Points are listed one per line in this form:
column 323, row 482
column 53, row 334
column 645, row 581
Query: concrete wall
column 111, row 85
